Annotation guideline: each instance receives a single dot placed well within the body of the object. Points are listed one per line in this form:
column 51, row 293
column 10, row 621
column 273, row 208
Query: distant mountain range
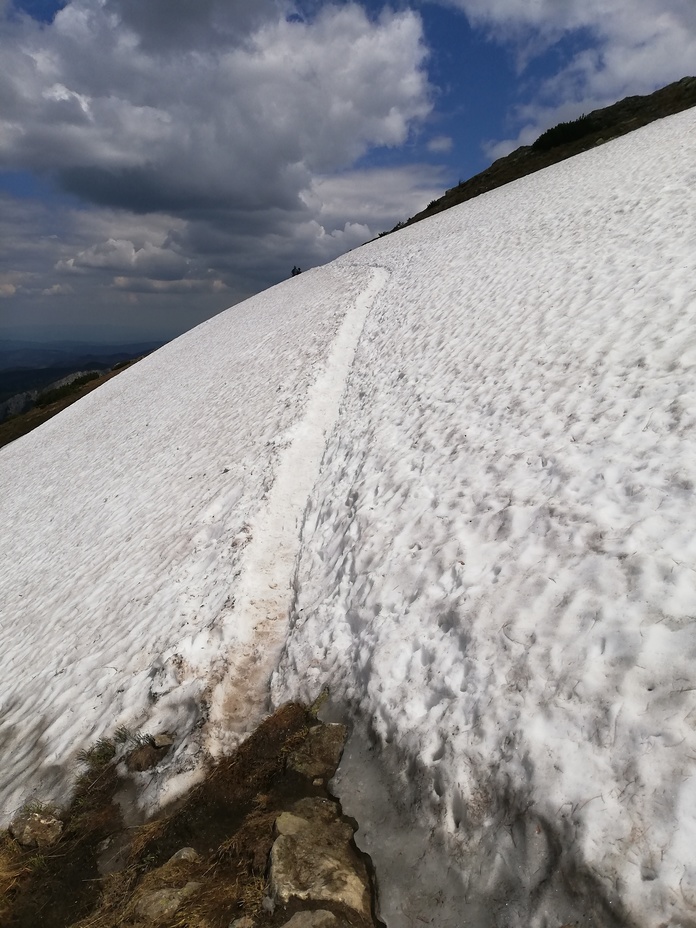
column 30, row 366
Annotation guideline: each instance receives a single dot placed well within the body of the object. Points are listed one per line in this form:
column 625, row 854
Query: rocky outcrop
column 259, row 842
column 313, row 858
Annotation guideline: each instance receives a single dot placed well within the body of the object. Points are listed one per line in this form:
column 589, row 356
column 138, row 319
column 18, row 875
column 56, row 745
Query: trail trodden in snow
column 495, row 576
column 264, row 591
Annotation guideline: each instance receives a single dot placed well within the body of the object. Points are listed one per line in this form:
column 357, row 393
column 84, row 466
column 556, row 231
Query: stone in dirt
column 244, row 922
column 319, row 755
column 163, row 740
column 186, row 854
column 313, row 858
column 36, row 829
column 160, row 904
column 320, row 918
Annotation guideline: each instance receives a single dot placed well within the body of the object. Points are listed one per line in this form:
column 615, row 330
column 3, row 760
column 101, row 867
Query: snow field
column 497, row 568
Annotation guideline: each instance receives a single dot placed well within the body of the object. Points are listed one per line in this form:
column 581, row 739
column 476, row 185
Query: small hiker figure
column 296, row 270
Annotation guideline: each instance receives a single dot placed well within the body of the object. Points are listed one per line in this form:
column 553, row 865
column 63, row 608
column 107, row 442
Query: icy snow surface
column 451, row 477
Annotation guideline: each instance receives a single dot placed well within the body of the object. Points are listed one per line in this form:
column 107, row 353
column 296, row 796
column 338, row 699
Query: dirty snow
column 473, row 446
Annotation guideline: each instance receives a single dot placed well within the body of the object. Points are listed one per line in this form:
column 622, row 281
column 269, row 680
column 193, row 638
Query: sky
column 162, row 161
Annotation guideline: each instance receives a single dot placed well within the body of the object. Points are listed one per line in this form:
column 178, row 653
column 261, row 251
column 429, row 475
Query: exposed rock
column 319, row 755
column 313, row 858
column 186, row 854
column 163, row 740
column 246, row 819
column 320, row 918
column 36, row 829
column 289, row 824
column 160, row 904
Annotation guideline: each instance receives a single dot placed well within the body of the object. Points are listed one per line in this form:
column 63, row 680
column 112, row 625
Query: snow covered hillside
column 450, row 476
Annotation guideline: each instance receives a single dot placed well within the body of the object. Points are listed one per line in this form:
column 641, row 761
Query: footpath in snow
column 451, row 477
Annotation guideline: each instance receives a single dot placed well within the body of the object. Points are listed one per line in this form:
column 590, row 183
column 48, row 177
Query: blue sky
column 161, row 161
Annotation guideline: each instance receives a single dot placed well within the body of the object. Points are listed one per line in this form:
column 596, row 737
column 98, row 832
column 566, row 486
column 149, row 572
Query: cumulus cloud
column 626, row 46
column 215, row 117
column 57, row 290
column 375, row 198
column 163, row 25
column 241, row 125
column 122, row 255
column 440, row 144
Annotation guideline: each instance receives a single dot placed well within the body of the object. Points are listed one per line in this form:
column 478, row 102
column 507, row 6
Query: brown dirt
column 57, row 886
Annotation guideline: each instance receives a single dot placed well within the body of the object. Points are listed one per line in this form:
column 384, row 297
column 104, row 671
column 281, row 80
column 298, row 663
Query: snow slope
column 451, row 477
column 497, row 567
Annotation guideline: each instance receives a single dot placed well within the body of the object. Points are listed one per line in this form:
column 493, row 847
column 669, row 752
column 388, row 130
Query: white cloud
column 243, row 124
column 57, row 290
column 628, row 46
column 122, row 255
column 200, row 135
column 60, row 93
column 440, row 144
column 376, row 198
column 147, row 285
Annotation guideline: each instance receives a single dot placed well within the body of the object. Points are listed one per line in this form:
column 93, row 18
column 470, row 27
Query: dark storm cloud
column 97, row 274
column 141, row 190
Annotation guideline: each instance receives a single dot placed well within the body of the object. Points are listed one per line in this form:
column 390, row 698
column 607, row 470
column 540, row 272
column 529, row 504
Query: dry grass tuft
column 144, row 836
column 13, row 870
column 250, row 845
column 98, row 755
column 221, row 901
